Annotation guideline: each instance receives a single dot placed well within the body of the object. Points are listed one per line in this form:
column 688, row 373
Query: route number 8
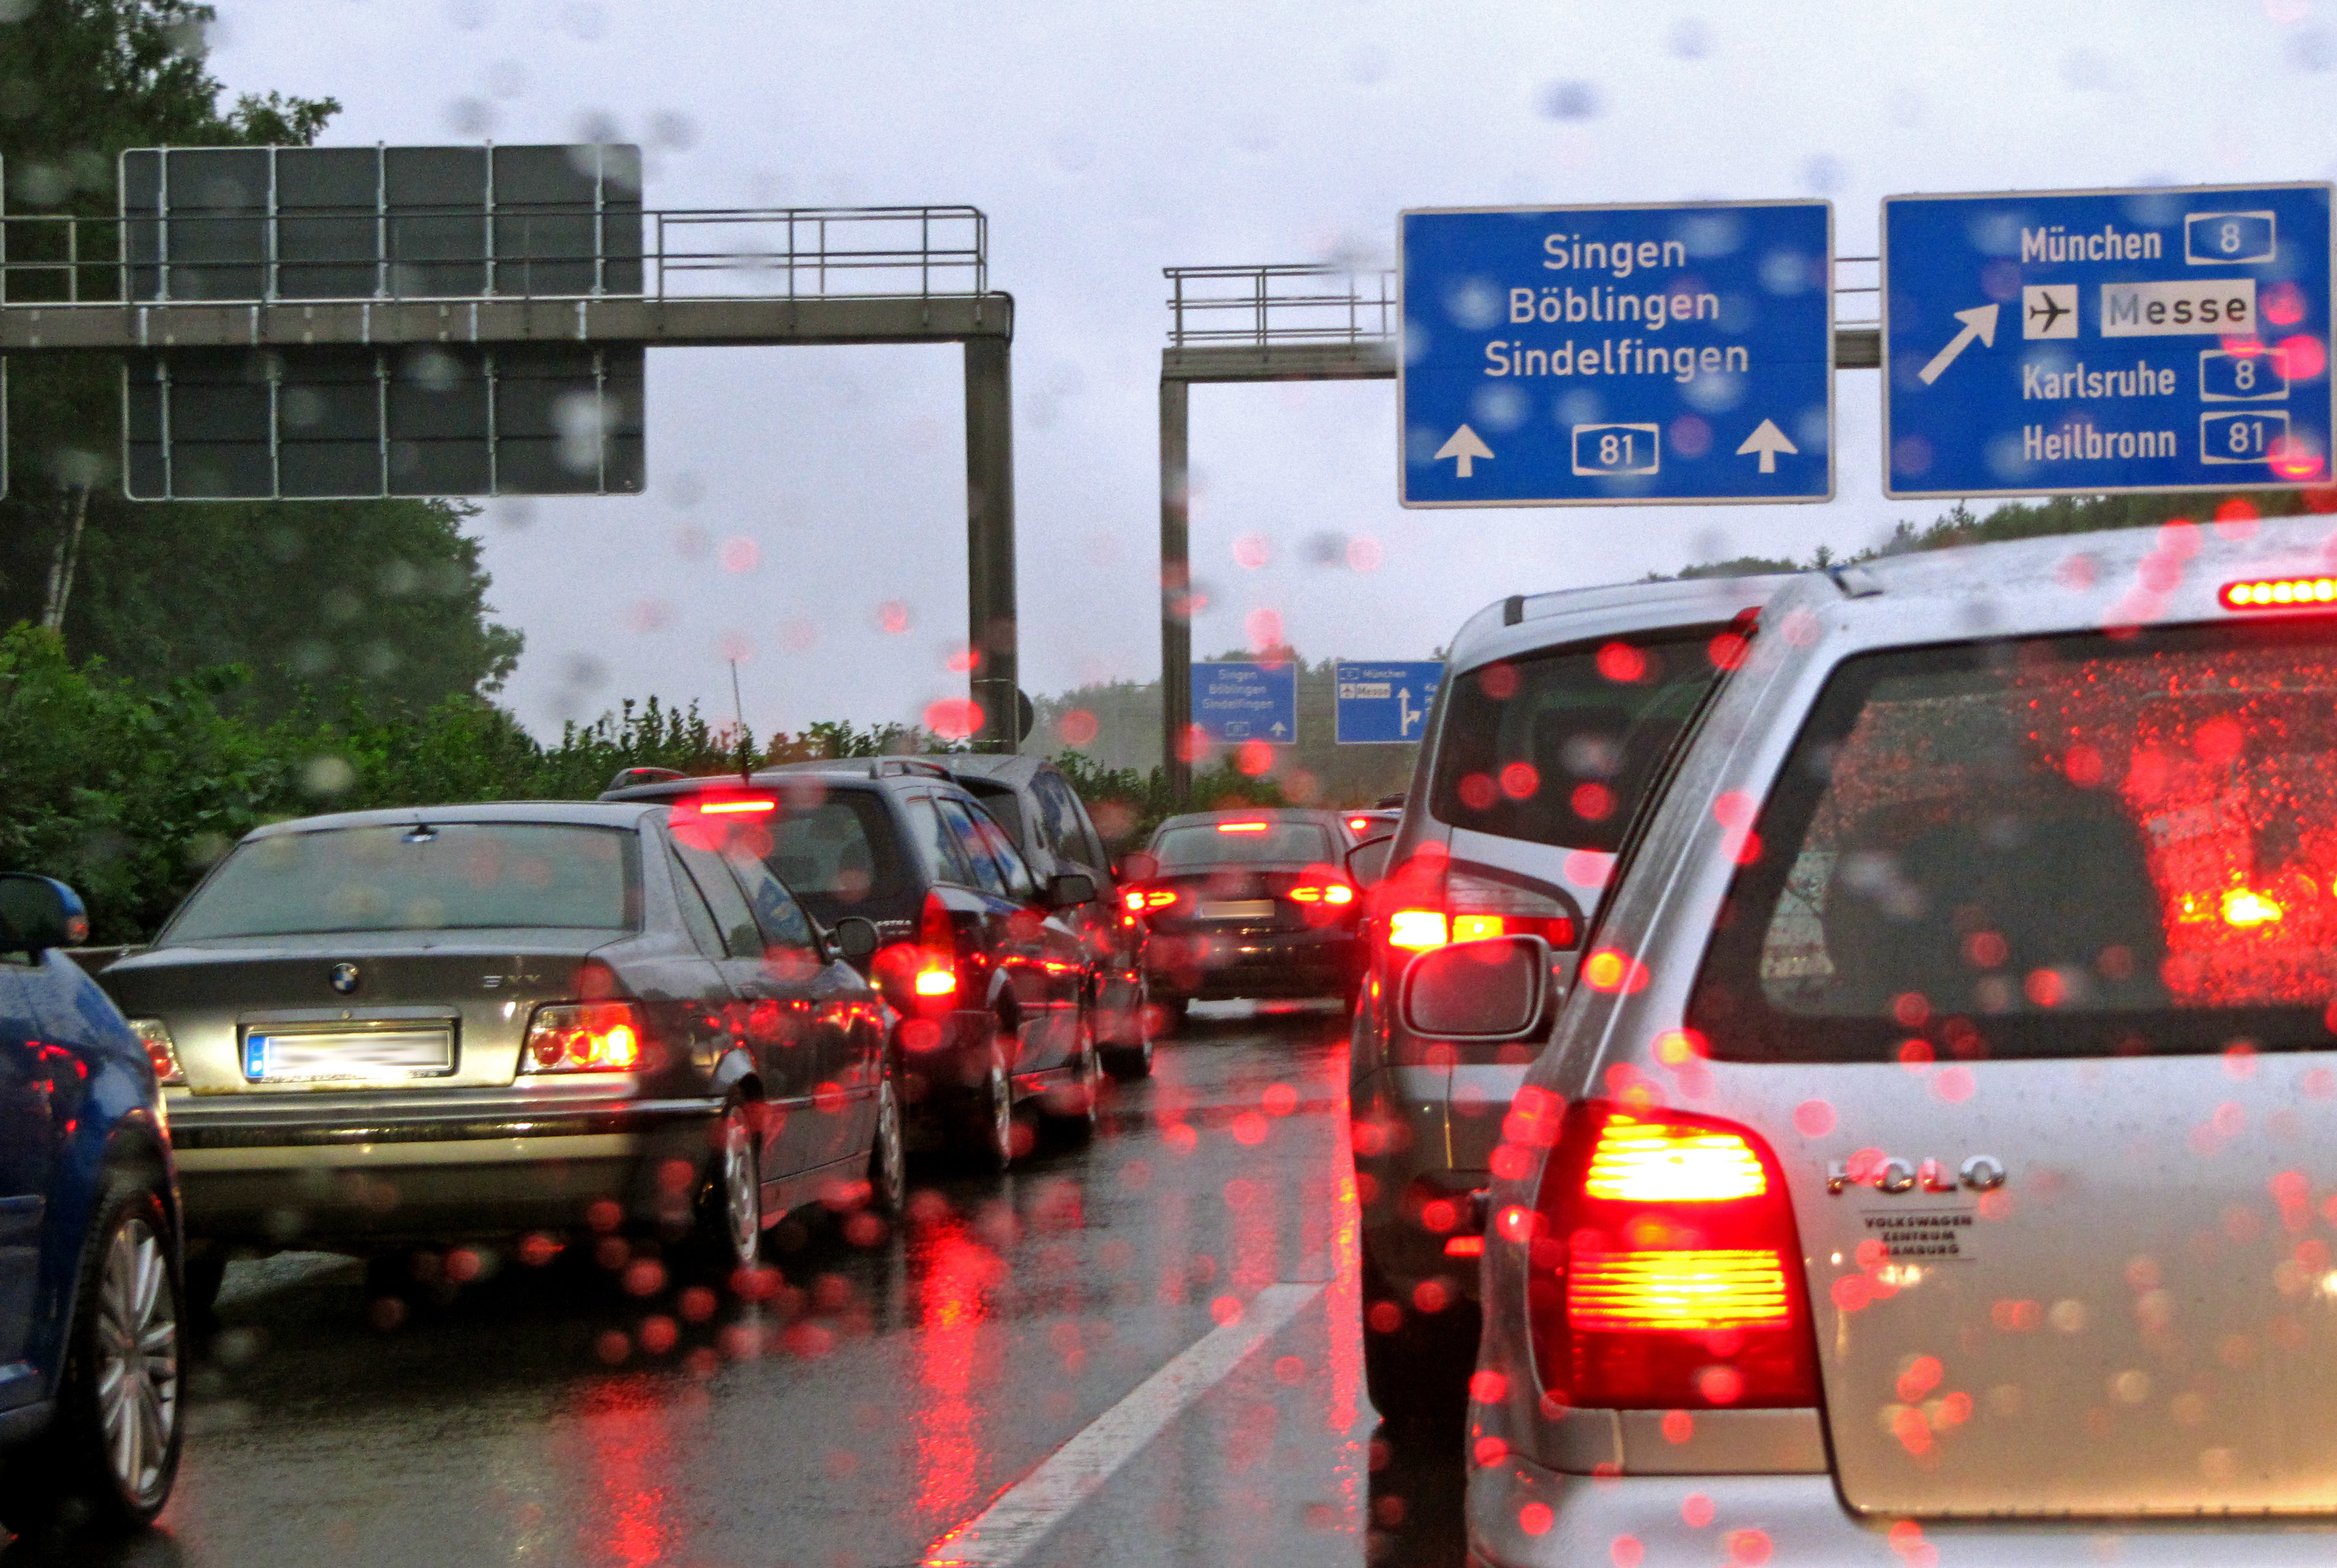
column 2229, row 238
column 2243, row 373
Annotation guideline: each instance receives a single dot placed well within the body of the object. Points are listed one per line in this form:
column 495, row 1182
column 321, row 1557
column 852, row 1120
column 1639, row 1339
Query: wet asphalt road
column 881, row 1397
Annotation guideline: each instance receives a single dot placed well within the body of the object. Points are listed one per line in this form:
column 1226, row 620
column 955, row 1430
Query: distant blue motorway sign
column 2090, row 342
column 1384, row 704
column 1592, row 356
column 1245, row 702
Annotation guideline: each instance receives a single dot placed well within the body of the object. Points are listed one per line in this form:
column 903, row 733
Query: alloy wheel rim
column 137, row 1359
column 892, row 1168
column 742, row 1202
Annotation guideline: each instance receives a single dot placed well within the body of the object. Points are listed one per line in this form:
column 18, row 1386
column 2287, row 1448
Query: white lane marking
column 1003, row 1532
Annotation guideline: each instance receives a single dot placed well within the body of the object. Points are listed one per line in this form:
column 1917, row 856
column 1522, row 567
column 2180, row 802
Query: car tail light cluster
column 584, row 1038
column 1323, row 893
column 1138, row 901
column 1665, row 1271
column 160, row 1049
column 2277, row 592
column 1474, row 908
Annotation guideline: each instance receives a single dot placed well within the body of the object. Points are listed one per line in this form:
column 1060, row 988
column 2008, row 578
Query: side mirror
column 1138, row 866
column 1488, row 990
column 37, row 913
column 856, row 939
column 1069, row 890
column 1367, row 862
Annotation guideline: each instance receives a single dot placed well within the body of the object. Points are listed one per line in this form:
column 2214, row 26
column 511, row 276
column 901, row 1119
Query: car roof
column 2056, row 583
column 1005, row 767
column 1525, row 622
column 580, row 813
column 843, row 772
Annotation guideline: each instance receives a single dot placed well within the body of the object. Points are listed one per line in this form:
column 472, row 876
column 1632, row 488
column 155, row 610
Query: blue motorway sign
column 1596, row 355
column 1246, row 702
column 1384, row 704
column 2083, row 343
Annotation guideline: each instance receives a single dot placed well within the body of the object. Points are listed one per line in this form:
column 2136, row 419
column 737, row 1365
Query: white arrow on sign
column 1769, row 441
column 1277, row 727
column 1979, row 322
column 1465, row 446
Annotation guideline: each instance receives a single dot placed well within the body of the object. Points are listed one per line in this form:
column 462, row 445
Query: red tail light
column 1474, row 908
column 1665, row 1269
column 1323, row 893
column 584, row 1038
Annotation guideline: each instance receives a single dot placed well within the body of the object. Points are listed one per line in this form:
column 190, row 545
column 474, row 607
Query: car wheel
column 888, row 1154
column 1417, row 1364
column 1126, row 1061
column 109, row 1461
column 988, row 1115
column 1077, row 1107
column 727, row 1227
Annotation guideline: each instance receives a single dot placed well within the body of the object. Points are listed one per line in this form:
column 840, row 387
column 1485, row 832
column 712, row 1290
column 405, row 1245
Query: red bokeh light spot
column 1254, row 757
column 1535, row 1519
column 1498, row 681
column 1592, row 801
column 1226, row 1309
column 1748, row 1548
column 1726, row 651
column 2304, row 357
column 1264, row 627
column 1621, row 663
column 954, row 718
column 2283, row 304
column 1477, row 791
column 1520, row 780
column 1813, row 1118
column 1078, row 727
column 1625, row 1552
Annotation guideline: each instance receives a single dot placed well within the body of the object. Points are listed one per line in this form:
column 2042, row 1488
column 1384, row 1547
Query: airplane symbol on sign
column 2052, row 310
column 2048, row 310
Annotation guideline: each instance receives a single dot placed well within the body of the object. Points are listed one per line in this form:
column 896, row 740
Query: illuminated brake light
column 1464, row 1246
column 1241, row 827
column 2245, row 907
column 1642, row 1163
column 734, row 808
column 1476, row 927
column 1133, row 901
column 1702, row 1290
column 935, row 982
column 584, row 1036
column 1324, row 893
column 1417, row 929
column 2276, row 592
column 1357, row 824
column 1665, row 1269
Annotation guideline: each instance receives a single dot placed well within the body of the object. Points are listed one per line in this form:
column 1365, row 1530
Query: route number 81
column 1608, row 450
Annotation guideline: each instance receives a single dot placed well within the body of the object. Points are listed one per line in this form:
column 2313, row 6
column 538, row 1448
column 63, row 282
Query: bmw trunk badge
column 345, row 977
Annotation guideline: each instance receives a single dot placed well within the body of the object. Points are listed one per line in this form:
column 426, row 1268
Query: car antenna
column 739, row 711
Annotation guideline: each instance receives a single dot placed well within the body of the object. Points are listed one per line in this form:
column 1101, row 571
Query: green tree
column 385, row 599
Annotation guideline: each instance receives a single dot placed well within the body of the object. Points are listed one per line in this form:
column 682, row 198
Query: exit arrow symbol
column 1465, row 446
column 1769, row 441
column 1979, row 322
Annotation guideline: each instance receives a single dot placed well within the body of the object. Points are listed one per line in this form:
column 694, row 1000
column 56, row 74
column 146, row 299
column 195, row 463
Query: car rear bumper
column 1208, row 966
column 288, row 1169
column 1800, row 1520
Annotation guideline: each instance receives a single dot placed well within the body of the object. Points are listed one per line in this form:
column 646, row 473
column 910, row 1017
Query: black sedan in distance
column 1246, row 903
column 387, row 1029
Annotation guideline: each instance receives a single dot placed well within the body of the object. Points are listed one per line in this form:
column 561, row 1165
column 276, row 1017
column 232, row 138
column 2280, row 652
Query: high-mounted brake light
column 1357, row 824
column 738, row 807
column 1241, row 827
column 1664, row 1269
column 2277, row 592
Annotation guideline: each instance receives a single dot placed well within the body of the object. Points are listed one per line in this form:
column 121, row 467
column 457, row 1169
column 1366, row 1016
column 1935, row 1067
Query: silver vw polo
column 416, row 1025
column 1934, row 1163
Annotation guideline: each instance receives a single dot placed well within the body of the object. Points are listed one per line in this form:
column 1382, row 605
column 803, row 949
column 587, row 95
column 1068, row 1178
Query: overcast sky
column 796, row 494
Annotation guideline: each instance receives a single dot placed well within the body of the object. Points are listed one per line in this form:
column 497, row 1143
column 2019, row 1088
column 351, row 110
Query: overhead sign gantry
column 1612, row 355
column 2084, row 343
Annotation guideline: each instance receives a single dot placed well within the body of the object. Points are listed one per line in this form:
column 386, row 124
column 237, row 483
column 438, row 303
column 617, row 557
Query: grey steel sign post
column 466, row 320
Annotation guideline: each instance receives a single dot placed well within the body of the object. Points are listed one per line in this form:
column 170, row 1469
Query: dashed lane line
column 1005, row 1532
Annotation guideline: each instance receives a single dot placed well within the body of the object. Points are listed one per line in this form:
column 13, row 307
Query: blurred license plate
column 358, row 1053
column 1238, row 910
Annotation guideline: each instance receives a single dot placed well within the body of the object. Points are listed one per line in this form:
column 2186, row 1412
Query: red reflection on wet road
column 628, row 1446
column 954, row 1276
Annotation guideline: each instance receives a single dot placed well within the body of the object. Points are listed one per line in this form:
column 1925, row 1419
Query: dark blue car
column 89, row 1251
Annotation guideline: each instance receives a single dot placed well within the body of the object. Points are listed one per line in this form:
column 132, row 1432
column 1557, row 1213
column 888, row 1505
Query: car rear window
column 834, row 849
column 2075, row 846
column 449, row 876
column 1225, row 844
column 1559, row 747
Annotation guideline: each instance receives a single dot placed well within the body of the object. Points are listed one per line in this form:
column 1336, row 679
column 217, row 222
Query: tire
column 1128, row 1062
column 1074, row 1110
column 986, row 1117
column 888, row 1153
column 726, row 1229
column 108, row 1462
column 1417, row 1373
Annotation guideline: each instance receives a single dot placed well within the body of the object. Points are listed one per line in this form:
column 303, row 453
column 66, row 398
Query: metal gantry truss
column 704, row 277
column 1313, row 322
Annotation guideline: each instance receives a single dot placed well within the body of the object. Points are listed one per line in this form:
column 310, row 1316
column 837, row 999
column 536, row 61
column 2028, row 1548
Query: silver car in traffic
column 1933, row 1162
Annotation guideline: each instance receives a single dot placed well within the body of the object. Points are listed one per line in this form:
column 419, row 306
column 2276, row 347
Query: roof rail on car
column 897, row 766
